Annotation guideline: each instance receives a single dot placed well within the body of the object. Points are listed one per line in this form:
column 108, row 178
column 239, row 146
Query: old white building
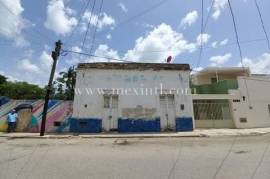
column 132, row 97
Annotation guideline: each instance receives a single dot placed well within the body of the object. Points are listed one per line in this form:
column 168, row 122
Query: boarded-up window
column 170, row 101
column 167, row 99
column 115, row 101
column 106, row 101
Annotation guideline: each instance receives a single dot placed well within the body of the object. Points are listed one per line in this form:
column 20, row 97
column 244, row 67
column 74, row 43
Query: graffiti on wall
column 59, row 113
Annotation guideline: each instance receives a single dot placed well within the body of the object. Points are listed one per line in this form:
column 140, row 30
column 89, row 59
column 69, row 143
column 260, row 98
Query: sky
column 139, row 31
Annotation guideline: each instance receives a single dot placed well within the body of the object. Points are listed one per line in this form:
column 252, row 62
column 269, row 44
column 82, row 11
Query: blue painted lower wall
column 138, row 125
column 90, row 125
column 184, row 124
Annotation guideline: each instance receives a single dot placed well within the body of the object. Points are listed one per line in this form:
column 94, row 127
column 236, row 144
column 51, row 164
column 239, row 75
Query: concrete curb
column 94, row 136
column 134, row 135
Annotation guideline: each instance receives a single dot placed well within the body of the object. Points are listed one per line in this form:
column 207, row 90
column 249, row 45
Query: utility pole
column 55, row 55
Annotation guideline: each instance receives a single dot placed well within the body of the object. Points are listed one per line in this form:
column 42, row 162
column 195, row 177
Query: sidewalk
column 195, row 133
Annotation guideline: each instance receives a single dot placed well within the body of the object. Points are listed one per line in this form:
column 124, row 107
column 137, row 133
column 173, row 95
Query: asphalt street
column 203, row 158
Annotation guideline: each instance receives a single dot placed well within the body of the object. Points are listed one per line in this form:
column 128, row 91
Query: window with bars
column 110, row 101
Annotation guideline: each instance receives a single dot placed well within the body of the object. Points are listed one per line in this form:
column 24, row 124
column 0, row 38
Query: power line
column 82, row 11
column 209, row 13
column 262, row 23
column 236, row 33
column 139, row 14
column 205, row 47
column 201, row 37
column 88, row 25
column 96, row 26
column 239, row 48
column 92, row 55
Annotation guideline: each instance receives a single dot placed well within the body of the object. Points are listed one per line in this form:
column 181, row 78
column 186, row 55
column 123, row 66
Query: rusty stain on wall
column 139, row 112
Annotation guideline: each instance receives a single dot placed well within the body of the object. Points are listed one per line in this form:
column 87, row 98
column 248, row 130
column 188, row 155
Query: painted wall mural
column 58, row 116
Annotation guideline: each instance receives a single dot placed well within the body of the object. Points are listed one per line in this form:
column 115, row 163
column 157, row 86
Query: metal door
column 167, row 106
column 111, row 111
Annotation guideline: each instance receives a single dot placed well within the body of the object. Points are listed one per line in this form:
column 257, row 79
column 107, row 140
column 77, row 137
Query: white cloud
column 220, row 60
column 108, row 36
column 260, row 65
column 104, row 51
column 59, row 18
column 123, row 7
column 214, row 44
column 75, row 58
column 217, row 44
column 160, row 43
column 28, row 66
column 219, row 6
column 34, row 71
column 224, row 42
column 204, row 38
column 45, row 61
column 11, row 22
column 104, row 20
column 189, row 19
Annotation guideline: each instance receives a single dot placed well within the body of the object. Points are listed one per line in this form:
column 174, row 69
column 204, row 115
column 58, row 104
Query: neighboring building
column 251, row 107
column 132, row 97
column 230, row 98
column 213, row 75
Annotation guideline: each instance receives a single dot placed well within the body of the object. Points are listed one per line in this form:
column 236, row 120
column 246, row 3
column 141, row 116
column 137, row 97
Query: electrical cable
column 82, row 11
column 201, row 37
column 64, row 53
column 139, row 14
column 88, row 25
column 239, row 49
column 96, row 26
column 262, row 23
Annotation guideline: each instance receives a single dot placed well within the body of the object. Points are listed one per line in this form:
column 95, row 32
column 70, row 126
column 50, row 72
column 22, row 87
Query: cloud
column 123, row 7
column 260, row 65
column 189, row 19
column 220, row 60
column 34, row 71
column 59, row 18
column 28, row 66
column 75, row 58
column 104, row 51
column 217, row 44
column 214, row 44
column 224, row 42
column 11, row 22
column 104, row 20
column 219, row 6
column 158, row 44
column 108, row 36
column 204, row 38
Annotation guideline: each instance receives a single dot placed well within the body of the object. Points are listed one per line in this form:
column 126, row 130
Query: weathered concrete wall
column 30, row 121
column 144, row 106
column 252, row 104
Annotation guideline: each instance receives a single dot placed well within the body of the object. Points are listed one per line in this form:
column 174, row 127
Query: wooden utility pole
column 55, row 55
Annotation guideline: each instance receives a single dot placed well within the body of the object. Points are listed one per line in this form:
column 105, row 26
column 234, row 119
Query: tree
column 65, row 84
column 3, row 79
column 21, row 90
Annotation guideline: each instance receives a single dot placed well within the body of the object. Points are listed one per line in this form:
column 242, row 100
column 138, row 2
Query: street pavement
column 222, row 157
